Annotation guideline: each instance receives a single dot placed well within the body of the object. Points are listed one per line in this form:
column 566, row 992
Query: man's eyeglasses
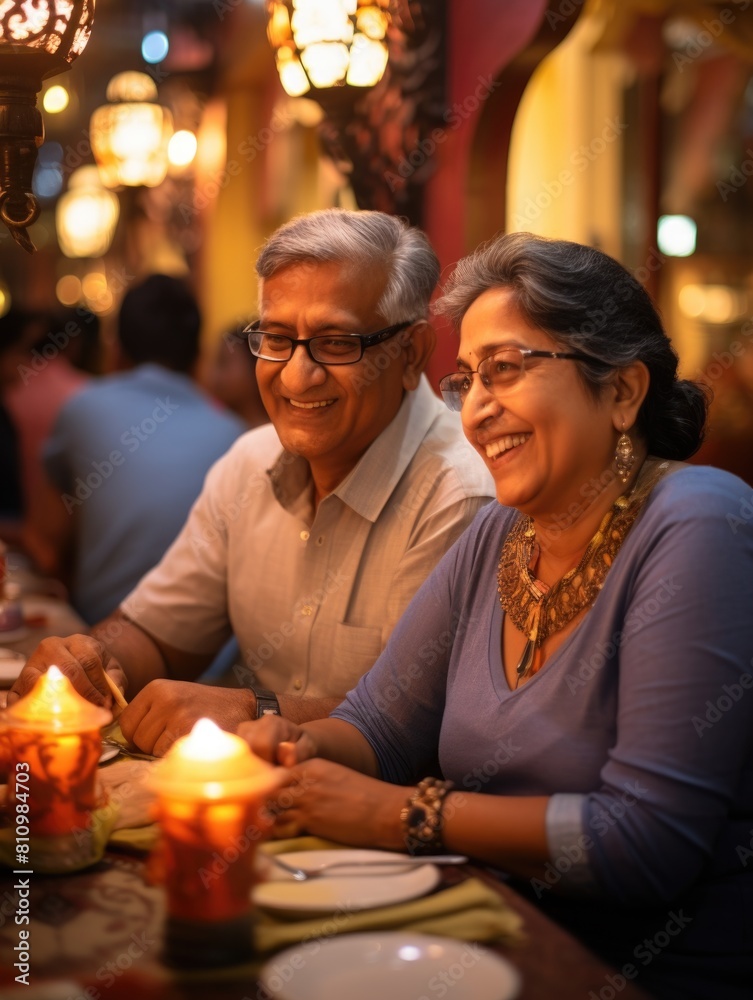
column 498, row 372
column 330, row 349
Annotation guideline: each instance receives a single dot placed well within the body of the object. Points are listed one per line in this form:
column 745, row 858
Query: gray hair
column 368, row 239
column 589, row 303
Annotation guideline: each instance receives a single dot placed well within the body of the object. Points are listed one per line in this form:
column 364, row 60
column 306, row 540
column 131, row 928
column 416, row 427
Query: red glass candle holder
column 52, row 744
column 211, row 791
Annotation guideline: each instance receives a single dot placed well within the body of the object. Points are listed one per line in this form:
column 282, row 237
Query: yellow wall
column 565, row 157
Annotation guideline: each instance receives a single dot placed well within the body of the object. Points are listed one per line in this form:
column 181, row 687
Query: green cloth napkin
column 470, row 911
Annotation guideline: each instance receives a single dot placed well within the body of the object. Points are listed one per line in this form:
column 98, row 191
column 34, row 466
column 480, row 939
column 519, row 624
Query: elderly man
column 313, row 533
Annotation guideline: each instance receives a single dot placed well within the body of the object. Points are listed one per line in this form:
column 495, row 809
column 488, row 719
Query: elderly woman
column 568, row 696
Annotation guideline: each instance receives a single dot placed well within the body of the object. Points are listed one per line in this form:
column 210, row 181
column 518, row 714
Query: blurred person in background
column 12, row 325
column 231, row 376
column 231, row 379
column 47, row 377
column 129, row 453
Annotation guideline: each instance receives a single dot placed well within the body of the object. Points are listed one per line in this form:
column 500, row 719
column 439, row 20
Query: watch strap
column 266, row 702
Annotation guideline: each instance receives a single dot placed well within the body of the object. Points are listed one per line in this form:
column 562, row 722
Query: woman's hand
column 329, row 800
column 278, row 740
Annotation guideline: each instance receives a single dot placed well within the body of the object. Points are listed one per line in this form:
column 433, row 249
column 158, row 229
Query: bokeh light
column 154, row 46
column 55, row 99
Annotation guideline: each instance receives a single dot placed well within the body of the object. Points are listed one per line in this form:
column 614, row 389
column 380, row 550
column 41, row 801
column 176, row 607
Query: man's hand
column 278, row 740
column 81, row 658
column 165, row 710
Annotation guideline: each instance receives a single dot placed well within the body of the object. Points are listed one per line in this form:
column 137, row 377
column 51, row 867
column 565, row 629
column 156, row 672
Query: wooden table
column 100, row 932
column 97, row 934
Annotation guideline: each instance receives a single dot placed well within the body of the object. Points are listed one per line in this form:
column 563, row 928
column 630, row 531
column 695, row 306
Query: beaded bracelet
column 422, row 816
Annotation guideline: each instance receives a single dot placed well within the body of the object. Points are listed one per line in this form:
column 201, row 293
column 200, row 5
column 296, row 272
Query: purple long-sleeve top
column 639, row 727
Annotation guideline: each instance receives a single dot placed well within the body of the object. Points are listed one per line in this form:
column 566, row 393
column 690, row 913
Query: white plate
column 11, row 665
column 389, row 966
column 357, row 889
column 108, row 753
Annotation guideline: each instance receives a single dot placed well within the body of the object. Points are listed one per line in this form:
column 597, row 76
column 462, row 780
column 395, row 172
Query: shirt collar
column 369, row 485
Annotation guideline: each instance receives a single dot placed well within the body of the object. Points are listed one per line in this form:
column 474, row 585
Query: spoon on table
column 304, row 874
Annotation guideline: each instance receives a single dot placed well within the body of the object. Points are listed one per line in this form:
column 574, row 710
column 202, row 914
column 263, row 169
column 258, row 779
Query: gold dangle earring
column 624, row 456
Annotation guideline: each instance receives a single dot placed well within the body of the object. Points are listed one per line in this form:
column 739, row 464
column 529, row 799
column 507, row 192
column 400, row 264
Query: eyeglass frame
column 365, row 340
column 525, row 353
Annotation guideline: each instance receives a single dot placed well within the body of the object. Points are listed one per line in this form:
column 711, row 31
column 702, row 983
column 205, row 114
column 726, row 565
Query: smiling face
column 329, row 415
column 545, row 439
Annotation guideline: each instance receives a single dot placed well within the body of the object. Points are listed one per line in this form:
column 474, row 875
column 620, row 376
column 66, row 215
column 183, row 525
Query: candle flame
column 207, row 741
column 54, row 704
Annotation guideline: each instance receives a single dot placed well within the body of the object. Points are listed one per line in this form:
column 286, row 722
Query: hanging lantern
column 37, row 40
column 328, row 43
column 130, row 135
column 86, row 215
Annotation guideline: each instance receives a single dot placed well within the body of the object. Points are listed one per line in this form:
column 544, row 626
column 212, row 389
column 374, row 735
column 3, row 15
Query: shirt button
column 307, row 610
column 297, row 684
column 304, row 536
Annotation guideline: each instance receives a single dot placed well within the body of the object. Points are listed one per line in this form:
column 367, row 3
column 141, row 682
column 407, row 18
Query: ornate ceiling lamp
column 130, row 135
column 328, row 43
column 376, row 67
column 37, row 40
column 86, row 215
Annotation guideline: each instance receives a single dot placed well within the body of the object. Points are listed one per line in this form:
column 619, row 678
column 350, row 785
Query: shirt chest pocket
column 355, row 650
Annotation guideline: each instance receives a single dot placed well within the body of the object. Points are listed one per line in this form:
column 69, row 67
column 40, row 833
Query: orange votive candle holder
column 53, row 745
column 211, row 792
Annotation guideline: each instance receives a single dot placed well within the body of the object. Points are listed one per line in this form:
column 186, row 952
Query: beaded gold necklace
column 537, row 610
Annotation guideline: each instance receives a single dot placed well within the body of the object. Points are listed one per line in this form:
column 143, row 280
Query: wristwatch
column 266, row 702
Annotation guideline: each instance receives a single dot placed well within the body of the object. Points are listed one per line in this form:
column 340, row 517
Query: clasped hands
column 321, row 797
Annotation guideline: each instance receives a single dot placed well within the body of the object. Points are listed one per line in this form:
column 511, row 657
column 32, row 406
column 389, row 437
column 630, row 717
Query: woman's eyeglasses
column 331, row 349
column 498, row 372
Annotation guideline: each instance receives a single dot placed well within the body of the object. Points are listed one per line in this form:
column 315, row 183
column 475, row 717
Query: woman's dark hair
column 589, row 302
